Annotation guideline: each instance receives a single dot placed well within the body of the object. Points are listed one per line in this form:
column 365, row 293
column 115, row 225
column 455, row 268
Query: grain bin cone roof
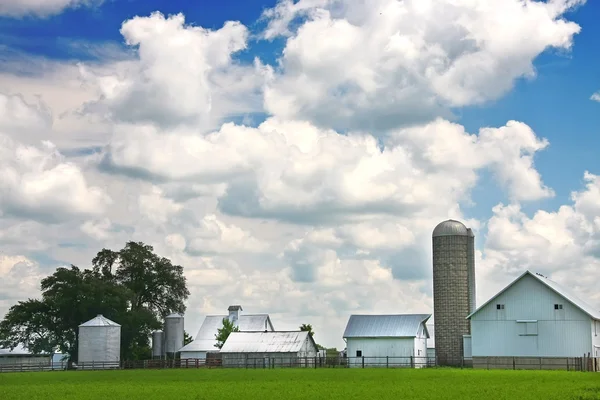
column 450, row 228
column 100, row 320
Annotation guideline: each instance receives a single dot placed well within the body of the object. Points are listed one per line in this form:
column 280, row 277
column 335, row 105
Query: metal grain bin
column 99, row 344
column 157, row 344
column 453, row 289
column 174, row 334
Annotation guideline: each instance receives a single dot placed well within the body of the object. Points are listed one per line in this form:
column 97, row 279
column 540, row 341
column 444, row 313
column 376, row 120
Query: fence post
column 387, row 361
column 363, row 361
column 412, row 362
column 514, row 365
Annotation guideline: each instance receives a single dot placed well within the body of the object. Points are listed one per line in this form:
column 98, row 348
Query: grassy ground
column 346, row 384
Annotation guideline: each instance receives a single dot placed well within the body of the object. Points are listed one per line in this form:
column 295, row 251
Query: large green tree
column 133, row 287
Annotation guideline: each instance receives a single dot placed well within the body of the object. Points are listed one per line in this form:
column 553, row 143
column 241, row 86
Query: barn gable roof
column 205, row 338
column 398, row 325
column 266, row 342
column 562, row 291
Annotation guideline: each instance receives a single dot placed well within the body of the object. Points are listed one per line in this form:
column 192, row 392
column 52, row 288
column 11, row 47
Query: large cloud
column 184, row 75
column 295, row 171
column 37, row 181
column 373, row 65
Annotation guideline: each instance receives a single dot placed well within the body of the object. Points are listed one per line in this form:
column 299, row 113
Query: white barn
column 534, row 317
column 269, row 349
column 205, row 341
column 387, row 340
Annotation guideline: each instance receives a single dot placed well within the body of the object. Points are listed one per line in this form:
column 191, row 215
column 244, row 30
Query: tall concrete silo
column 173, row 334
column 453, row 288
column 157, row 344
column 99, row 344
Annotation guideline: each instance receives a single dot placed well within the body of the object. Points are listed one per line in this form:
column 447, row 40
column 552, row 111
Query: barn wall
column 193, row 354
column 596, row 338
column 25, row 360
column 376, row 351
column 560, row 333
column 308, row 349
column 420, row 345
column 264, row 360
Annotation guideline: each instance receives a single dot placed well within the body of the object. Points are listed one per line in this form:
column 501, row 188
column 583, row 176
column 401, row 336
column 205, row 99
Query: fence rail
column 585, row 363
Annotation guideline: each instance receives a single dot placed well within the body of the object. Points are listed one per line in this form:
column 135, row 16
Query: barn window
column 358, row 353
column 527, row 328
column 559, row 313
column 500, row 312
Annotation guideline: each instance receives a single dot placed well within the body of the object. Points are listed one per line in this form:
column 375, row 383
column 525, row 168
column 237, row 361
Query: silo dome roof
column 450, row 228
column 100, row 320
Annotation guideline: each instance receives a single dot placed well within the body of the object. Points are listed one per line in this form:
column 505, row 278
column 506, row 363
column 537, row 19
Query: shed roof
column 398, row 325
column 205, row 338
column 266, row 342
column 100, row 320
column 562, row 291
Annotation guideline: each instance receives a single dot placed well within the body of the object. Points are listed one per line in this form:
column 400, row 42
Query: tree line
column 133, row 286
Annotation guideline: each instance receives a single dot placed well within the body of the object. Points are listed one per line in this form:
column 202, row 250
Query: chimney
column 234, row 313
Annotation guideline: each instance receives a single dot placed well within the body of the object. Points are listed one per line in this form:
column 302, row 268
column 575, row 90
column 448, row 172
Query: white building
column 534, row 317
column 205, row 340
column 387, row 340
column 18, row 357
column 269, row 349
column 99, row 344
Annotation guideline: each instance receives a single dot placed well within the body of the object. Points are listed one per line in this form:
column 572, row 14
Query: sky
column 295, row 156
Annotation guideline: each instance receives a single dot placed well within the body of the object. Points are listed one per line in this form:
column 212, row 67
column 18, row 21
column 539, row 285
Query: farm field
column 301, row 384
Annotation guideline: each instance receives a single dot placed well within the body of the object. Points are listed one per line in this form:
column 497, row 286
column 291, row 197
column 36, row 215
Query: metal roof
column 205, row 338
column 562, row 291
column 265, row 342
column 399, row 325
column 17, row 351
column 451, row 228
column 100, row 320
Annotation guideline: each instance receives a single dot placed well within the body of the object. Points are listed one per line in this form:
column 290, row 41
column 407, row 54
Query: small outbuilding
column 19, row 357
column 387, row 340
column 269, row 349
column 99, row 344
column 536, row 321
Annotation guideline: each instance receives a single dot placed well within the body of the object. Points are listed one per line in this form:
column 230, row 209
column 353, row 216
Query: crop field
column 301, row 384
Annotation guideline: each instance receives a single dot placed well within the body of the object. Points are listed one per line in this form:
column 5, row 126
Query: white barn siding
column 420, row 345
column 552, row 333
column 596, row 338
column 467, row 347
column 308, row 349
column 376, row 351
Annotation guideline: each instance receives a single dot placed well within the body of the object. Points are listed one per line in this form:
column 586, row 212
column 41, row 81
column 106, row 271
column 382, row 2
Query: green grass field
column 347, row 384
